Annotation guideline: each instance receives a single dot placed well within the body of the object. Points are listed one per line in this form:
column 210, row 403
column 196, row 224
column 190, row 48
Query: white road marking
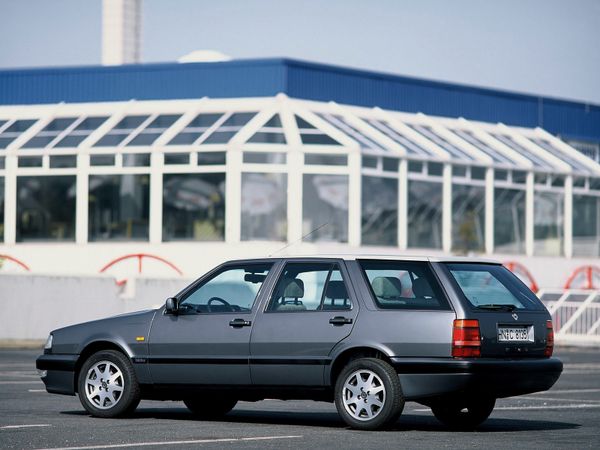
column 195, row 441
column 552, row 399
column 14, row 427
column 565, row 391
column 36, row 390
column 521, row 408
column 21, row 382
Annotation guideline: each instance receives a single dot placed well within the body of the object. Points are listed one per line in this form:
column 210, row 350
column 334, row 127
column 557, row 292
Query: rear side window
column 493, row 287
column 404, row 285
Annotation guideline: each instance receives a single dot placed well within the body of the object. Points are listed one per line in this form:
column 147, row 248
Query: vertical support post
column 294, row 180
column 529, row 215
column 10, row 199
column 489, row 211
column 447, row 209
column 156, row 194
column 403, row 205
column 354, row 192
column 568, row 217
column 82, row 198
column 233, row 195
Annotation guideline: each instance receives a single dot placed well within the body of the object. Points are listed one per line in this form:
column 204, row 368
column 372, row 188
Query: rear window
column 404, row 285
column 493, row 287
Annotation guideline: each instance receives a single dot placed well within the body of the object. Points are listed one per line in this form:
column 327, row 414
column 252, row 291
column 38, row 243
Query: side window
column 233, row 289
column 310, row 287
column 404, row 285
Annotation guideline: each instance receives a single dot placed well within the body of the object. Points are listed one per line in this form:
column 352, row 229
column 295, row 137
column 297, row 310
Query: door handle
column 339, row 320
column 238, row 323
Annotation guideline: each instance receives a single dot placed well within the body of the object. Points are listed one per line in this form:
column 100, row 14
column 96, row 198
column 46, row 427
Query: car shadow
column 323, row 419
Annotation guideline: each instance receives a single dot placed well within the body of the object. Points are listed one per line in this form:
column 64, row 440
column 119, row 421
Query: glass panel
column 39, row 141
column 49, row 133
column 177, row 158
column 195, row 129
column 63, row 161
column 219, row 137
column 325, row 160
column 59, row 124
column 14, row 131
column 118, row 207
column 410, row 146
column 325, row 207
column 318, row 139
column 303, row 124
column 519, row 176
column 548, row 216
column 185, row 138
column 478, row 173
column 163, row 122
column 459, row 171
column 586, row 225
column 415, row 166
column 232, row 290
column 273, row 122
column 144, row 139
column 136, row 160
column 509, row 220
column 369, row 162
column 379, row 211
column 212, row 158
column 310, row 287
column 46, row 208
column 563, row 156
column 344, row 126
column 501, row 175
column 404, row 285
column 102, row 160
column 436, row 169
column 264, row 206
column 70, row 141
column 130, row 122
column 468, row 218
column 264, row 158
column 111, row 140
column 238, row 120
column 121, row 131
column 390, row 164
column 262, row 137
column 510, row 142
column 470, row 137
column 2, row 163
column 204, row 120
column 1, row 209
column 424, row 214
column 30, row 161
column 90, row 123
column 452, row 149
column 194, row 207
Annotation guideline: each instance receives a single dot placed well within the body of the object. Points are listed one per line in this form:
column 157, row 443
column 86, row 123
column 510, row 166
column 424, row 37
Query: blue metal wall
column 299, row 79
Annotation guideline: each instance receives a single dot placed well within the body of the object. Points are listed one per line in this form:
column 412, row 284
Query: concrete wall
column 33, row 305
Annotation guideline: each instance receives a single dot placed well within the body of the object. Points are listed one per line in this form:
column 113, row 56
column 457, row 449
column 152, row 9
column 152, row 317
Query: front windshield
column 493, row 287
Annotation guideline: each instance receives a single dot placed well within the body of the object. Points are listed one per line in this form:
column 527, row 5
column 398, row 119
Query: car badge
column 514, row 316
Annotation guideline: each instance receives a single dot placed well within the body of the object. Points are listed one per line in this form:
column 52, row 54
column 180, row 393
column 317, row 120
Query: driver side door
column 208, row 340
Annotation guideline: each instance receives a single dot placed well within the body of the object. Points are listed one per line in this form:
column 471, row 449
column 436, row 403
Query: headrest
column 387, row 287
column 336, row 290
column 422, row 288
column 294, row 288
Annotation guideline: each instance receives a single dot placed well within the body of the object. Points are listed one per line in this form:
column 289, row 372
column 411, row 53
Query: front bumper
column 428, row 377
column 60, row 372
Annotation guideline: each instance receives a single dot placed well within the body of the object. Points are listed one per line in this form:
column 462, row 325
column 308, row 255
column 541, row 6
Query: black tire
column 123, row 402
column 210, row 406
column 355, row 406
column 463, row 415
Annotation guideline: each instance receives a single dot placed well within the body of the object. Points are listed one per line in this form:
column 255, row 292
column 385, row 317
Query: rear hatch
column 512, row 320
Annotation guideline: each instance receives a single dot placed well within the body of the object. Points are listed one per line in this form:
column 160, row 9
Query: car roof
column 388, row 257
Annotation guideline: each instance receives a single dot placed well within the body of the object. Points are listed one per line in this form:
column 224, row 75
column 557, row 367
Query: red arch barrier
column 589, row 273
column 519, row 269
column 16, row 261
column 140, row 257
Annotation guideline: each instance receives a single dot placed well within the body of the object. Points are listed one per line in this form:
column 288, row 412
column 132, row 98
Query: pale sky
column 547, row 47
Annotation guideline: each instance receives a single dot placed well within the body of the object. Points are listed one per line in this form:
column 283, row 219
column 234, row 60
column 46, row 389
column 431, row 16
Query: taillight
column 466, row 339
column 549, row 339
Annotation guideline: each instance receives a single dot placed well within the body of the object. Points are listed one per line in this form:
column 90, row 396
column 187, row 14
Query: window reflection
column 46, row 208
column 118, row 207
column 379, row 211
column 586, row 225
column 325, row 207
column 194, row 206
column 509, row 220
column 424, row 214
column 264, row 206
column 548, row 223
column 468, row 218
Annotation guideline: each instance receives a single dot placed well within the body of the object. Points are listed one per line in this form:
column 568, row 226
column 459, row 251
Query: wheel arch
column 344, row 356
column 92, row 347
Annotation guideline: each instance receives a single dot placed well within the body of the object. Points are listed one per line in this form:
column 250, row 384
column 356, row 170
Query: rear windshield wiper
column 497, row 307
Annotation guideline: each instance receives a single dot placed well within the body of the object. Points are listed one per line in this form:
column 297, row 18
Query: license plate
column 515, row 334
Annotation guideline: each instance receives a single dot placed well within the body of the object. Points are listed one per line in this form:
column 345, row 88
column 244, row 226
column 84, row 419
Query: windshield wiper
column 497, row 307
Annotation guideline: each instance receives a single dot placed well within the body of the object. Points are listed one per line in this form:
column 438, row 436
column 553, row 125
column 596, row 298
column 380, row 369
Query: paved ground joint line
column 35, row 425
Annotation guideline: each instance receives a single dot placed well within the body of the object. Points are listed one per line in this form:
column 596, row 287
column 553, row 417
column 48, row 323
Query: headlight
column 48, row 344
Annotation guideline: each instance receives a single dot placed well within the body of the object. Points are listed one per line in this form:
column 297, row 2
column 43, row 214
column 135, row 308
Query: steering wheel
column 220, row 300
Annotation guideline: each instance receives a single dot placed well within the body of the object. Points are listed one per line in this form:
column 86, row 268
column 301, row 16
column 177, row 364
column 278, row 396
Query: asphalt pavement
column 568, row 416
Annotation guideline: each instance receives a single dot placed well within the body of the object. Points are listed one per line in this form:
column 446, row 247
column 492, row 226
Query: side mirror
column 171, row 305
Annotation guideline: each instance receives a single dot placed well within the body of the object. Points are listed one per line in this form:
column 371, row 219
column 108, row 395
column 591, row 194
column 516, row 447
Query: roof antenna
column 300, row 240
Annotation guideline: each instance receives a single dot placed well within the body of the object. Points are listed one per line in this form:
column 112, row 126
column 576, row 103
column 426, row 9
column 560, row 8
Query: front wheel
column 107, row 385
column 368, row 395
column 463, row 415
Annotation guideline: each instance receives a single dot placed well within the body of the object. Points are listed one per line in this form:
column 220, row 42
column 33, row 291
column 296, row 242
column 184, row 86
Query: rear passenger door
column 310, row 310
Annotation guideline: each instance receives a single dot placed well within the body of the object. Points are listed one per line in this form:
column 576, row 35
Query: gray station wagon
column 367, row 333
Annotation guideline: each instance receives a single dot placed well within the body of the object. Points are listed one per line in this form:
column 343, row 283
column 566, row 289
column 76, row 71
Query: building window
column 379, row 211
column 509, row 220
column 118, row 207
column 46, row 208
column 325, row 207
column 264, row 206
column 424, row 214
column 586, row 226
column 548, row 216
column 194, row 207
column 468, row 218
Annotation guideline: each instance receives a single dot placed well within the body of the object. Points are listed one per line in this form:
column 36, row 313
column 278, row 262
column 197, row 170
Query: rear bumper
column 59, row 375
column 421, row 378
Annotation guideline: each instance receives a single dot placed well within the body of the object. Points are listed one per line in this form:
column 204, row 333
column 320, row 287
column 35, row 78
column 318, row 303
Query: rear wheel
column 107, row 385
column 368, row 395
column 464, row 415
column 210, row 406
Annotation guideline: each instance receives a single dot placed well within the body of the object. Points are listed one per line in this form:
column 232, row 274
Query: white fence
column 575, row 315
